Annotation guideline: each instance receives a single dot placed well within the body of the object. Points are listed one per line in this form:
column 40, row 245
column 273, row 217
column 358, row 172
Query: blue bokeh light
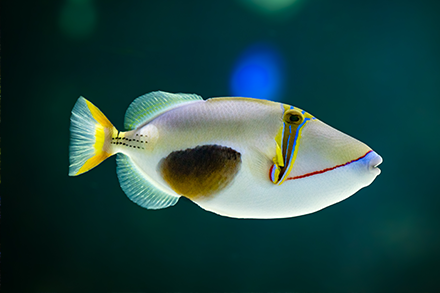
column 257, row 74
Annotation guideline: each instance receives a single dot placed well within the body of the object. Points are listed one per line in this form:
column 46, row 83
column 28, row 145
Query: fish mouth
column 374, row 162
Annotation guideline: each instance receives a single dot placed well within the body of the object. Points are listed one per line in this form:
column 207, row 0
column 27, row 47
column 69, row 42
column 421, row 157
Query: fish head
column 308, row 150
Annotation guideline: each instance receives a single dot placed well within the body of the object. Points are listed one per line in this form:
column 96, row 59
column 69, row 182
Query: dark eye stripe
column 289, row 142
column 292, row 148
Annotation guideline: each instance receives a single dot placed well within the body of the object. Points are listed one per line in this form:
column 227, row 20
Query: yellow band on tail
column 90, row 140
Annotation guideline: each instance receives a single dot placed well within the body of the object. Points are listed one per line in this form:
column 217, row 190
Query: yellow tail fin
column 90, row 137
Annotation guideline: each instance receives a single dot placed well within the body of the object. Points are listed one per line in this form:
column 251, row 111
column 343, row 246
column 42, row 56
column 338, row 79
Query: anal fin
column 138, row 188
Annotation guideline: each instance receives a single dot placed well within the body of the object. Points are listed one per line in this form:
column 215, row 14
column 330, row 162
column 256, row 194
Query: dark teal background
column 368, row 68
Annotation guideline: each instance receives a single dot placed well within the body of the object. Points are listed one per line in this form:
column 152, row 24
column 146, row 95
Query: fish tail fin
column 90, row 137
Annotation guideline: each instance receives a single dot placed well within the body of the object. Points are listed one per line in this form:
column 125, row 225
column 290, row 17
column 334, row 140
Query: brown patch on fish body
column 201, row 171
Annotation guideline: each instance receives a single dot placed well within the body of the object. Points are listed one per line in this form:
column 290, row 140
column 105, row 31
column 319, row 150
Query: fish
column 237, row 157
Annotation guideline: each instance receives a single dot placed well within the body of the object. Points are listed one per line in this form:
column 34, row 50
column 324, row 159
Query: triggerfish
column 236, row 157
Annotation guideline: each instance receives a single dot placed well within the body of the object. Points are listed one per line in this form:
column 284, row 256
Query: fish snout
column 374, row 160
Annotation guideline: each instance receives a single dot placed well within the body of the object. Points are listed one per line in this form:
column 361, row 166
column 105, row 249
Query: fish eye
column 293, row 117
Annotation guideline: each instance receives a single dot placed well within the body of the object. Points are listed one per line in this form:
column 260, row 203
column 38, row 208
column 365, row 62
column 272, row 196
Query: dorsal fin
column 150, row 105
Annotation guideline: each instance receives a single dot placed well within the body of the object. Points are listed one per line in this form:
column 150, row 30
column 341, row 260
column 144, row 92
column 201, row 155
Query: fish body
column 237, row 157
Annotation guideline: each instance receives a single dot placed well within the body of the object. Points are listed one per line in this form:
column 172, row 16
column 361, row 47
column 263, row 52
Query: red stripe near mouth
column 327, row 169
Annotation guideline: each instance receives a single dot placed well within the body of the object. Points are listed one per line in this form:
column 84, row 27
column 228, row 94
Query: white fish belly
column 251, row 197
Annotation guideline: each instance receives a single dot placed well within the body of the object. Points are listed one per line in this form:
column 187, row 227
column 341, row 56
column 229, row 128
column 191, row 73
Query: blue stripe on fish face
column 288, row 145
column 282, row 140
column 272, row 173
column 292, row 149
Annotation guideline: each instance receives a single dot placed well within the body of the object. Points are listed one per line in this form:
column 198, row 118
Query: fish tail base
column 91, row 134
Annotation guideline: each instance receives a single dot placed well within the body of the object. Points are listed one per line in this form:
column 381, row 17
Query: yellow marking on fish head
column 287, row 142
